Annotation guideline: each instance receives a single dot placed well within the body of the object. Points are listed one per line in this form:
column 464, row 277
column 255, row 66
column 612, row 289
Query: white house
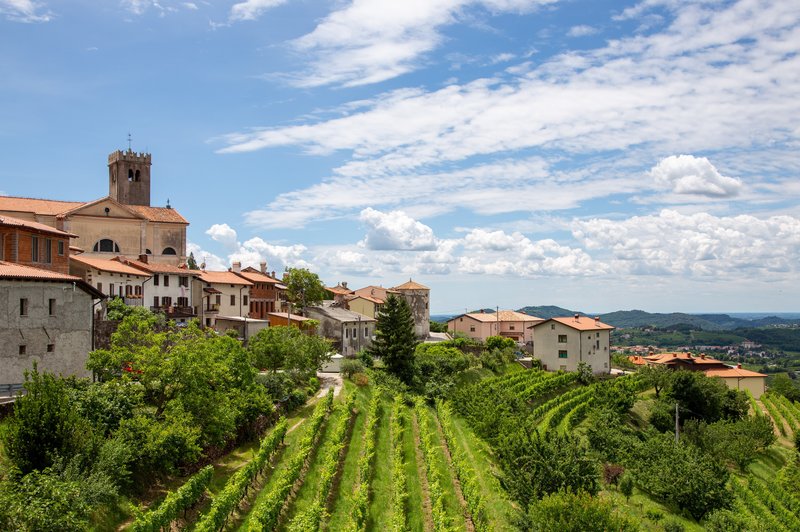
column 221, row 294
column 563, row 343
column 111, row 277
column 169, row 289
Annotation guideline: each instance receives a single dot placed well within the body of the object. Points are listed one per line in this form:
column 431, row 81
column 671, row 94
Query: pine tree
column 394, row 338
column 191, row 262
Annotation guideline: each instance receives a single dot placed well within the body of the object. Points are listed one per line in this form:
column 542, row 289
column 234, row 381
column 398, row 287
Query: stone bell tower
column 129, row 177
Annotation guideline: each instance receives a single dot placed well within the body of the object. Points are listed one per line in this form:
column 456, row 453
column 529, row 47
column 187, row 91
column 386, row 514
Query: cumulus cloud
column 224, row 234
column 700, row 244
column 252, row 9
column 581, row 31
column 25, row 11
column 686, row 174
column 203, row 257
column 255, row 250
column 395, row 230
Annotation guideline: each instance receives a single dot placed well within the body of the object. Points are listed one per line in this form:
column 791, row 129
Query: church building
column 122, row 223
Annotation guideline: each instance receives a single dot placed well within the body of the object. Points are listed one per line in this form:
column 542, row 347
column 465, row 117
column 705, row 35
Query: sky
column 596, row 155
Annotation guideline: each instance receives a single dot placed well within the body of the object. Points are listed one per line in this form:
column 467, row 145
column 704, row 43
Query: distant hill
column 549, row 311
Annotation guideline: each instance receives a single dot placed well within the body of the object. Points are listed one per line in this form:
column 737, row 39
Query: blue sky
column 591, row 154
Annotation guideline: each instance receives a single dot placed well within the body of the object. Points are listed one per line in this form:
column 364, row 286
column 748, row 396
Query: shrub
column 576, row 512
column 626, row 486
column 612, row 473
column 350, row 367
column 361, row 379
column 672, row 525
column 654, row 515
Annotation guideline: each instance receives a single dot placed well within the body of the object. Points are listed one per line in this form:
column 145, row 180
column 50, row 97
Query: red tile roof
column 159, row 214
column 55, row 208
column 157, row 267
column 33, row 226
column 258, row 277
column 108, row 265
column 339, row 289
column 729, row 372
column 11, row 270
column 411, row 285
column 582, row 323
column 225, row 277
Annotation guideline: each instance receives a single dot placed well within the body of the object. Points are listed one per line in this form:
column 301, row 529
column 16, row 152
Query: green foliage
column 397, row 425
column 303, row 287
column 438, row 327
column 680, row 474
column 290, row 349
column 266, row 514
column 584, row 372
column 358, row 516
column 566, row 511
column 657, row 376
column 609, row 437
column 737, row 442
column 366, row 358
column 783, row 385
column 117, row 310
column 436, row 367
column 175, row 502
column 441, row 521
column 350, row 367
column 500, row 342
column 395, row 340
column 724, row 520
column 191, row 262
column 626, row 486
column 699, row 397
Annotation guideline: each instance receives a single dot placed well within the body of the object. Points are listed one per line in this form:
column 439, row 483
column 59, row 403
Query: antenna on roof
column 168, row 205
column 129, row 141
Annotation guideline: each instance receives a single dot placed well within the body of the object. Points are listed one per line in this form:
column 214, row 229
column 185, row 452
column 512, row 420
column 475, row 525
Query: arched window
column 148, row 252
column 136, row 176
column 130, row 175
column 106, row 245
column 168, row 251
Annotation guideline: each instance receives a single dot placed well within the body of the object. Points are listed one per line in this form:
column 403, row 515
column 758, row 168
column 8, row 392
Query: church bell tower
column 129, row 177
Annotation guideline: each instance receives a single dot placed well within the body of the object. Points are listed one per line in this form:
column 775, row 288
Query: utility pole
column 677, row 424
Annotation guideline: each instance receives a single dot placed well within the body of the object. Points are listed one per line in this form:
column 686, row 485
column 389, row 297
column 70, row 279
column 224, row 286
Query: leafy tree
column 289, row 348
column 626, row 486
column 566, row 511
column 738, row 442
column 782, row 384
column 585, row 375
column 500, row 342
column 438, row 327
column 705, row 398
column 609, row 437
column 191, row 262
column 303, row 287
column 658, row 376
column 117, row 309
column 395, row 339
column 436, row 366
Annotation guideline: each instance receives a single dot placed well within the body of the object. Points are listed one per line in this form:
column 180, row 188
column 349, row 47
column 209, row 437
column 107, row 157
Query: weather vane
column 129, row 141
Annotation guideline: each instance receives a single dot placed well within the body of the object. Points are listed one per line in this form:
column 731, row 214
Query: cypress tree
column 394, row 338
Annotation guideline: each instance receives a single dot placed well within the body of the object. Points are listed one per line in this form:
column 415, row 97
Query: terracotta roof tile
column 729, row 372
column 338, row 289
column 225, row 277
column 258, row 277
column 159, row 214
column 581, row 323
column 11, row 270
column 108, row 265
column 34, row 226
column 158, row 267
column 38, row 206
column 411, row 285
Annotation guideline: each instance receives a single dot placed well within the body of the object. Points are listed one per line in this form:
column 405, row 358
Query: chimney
column 263, row 265
column 577, row 317
column 236, row 267
column 143, row 258
column 273, row 274
column 597, row 320
column 344, row 284
column 738, row 366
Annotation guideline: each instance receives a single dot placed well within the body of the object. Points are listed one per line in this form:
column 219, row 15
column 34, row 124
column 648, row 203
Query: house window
column 166, row 301
column 562, row 368
column 22, row 349
column 111, row 289
column 34, row 249
column 208, row 322
column 128, row 290
column 106, row 245
column 183, row 301
column 51, row 307
column 48, row 250
column 355, row 332
column 155, row 301
column 598, row 335
column 347, row 333
column 138, row 290
column 51, row 348
column 598, row 344
column 562, row 338
column 60, row 247
column 183, row 281
column 23, row 306
column 168, row 251
column 155, row 280
column 552, row 326
column 244, row 301
column 99, row 287
column 233, row 301
column 471, row 328
column 366, row 332
column 166, row 280
column 562, row 354
column 219, row 299
column 510, row 327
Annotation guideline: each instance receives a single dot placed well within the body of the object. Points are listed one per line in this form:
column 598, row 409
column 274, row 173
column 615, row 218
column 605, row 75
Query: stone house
column 349, row 331
column 34, row 244
column 45, row 317
column 563, row 343
column 418, row 298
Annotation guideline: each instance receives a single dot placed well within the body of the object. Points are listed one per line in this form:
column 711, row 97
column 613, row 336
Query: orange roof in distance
column 411, row 285
column 226, row 277
column 34, row 226
column 108, row 265
column 583, row 323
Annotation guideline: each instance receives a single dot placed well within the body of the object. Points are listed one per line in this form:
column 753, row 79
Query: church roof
column 33, row 226
column 55, row 208
column 159, row 214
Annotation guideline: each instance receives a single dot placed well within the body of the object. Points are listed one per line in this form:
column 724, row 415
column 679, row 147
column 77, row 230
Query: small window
column 34, row 249
column 128, row 290
column 148, row 252
column 155, row 301
column 168, row 251
column 166, row 280
column 60, row 247
column 138, row 290
column 562, row 338
column 23, row 306
column 552, row 326
column 355, row 332
column 155, row 280
column 111, row 289
column 471, row 328
column 130, row 174
column 598, row 344
column 347, row 333
column 22, row 349
column 511, row 327
column 48, row 250
column 208, row 322
column 51, row 307
column 166, row 301
column 106, row 245
column 219, row 299
column 244, row 301
column 598, row 335
column 136, row 176
column 99, row 287
column 51, row 348
column 233, row 301
column 562, row 354
column 366, row 332
column 183, row 281
column 562, row 368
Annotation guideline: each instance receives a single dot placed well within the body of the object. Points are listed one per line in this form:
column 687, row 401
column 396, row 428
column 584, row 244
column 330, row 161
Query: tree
column 436, row 366
column 191, row 262
column 657, row 375
column 566, row 511
column 303, row 287
column 500, row 342
column 395, row 339
column 289, row 348
column 782, row 384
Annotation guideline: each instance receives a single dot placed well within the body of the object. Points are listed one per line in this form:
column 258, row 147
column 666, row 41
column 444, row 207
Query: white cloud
column 695, row 245
column 211, row 261
column 581, row 31
column 25, row 11
column 223, row 234
column 252, row 9
column 190, row 5
column 686, row 174
column 255, row 250
column 137, row 7
column 395, row 230
column 369, row 41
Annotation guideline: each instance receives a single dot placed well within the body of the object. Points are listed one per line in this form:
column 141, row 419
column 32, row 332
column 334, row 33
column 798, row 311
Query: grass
column 381, row 485
column 644, row 511
column 499, row 508
column 342, row 505
column 414, row 504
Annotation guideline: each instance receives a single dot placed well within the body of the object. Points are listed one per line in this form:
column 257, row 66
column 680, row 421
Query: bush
column 436, row 366
column 576, row 512
column 673, row 525
column 366, row 358
column 612, row 473
column 313, row 383
column 500, row 342
column 350, row 367
column 654, row 515
column 360, row 379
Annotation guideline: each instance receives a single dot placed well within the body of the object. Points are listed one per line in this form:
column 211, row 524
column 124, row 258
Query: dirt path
column 327, row 381
column 456, row 483
column 422, row 474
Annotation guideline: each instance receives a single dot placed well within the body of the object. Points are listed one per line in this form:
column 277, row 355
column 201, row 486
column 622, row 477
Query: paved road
column 329, row 380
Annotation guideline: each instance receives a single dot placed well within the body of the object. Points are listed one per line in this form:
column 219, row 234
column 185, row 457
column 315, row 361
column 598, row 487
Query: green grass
column 499, row 508
column 342, row 505
column 642, row 510
column 414, row 503
column 381, row 486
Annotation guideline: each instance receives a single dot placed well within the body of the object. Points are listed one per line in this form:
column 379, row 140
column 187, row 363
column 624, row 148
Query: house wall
column 173, row 291
column 348, row 336
column 756, row 385
column 225, row 308
column 478, row 330
column 103, row 281
column 264, row 298
column 581, row 346
column 363, row 307
column 517, row 330
column 69, row 329
column 16, row 245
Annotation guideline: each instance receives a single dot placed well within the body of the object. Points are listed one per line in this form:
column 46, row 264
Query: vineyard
column 371, row 459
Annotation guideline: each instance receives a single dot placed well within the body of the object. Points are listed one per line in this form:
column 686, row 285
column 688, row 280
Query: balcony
column 212, row 307
column 175, row 311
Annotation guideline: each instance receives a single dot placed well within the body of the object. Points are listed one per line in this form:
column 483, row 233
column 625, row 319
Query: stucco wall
column 363, row 307
column 581, row 346
column 465, row 324
column 69, row 329
column 756, row 385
